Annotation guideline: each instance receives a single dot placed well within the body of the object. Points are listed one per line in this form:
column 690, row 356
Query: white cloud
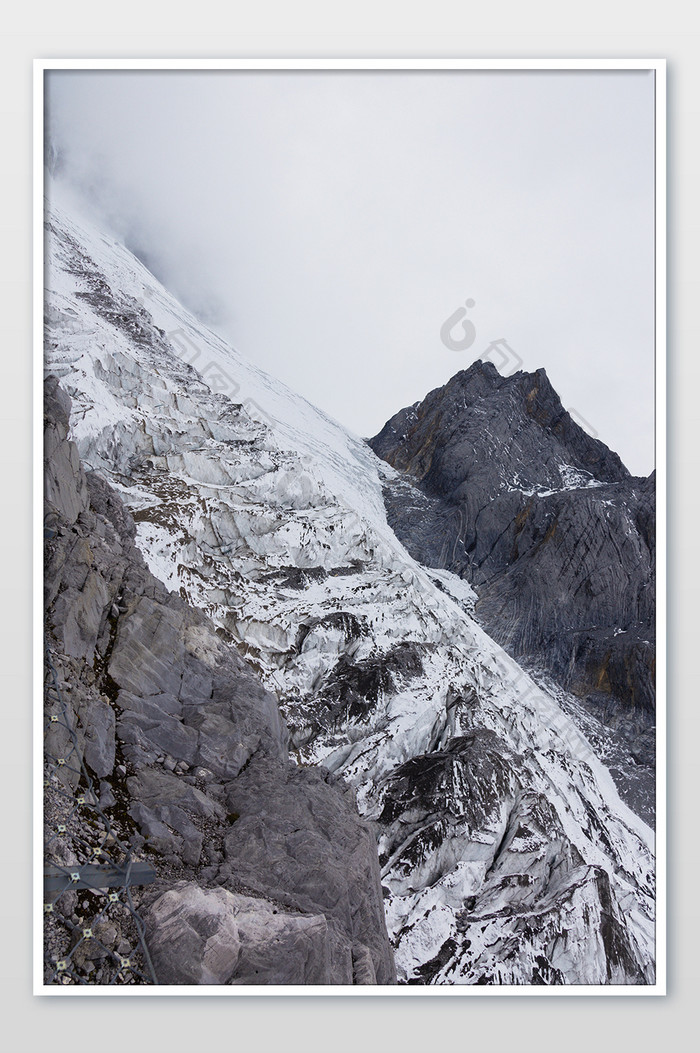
column 328, row 223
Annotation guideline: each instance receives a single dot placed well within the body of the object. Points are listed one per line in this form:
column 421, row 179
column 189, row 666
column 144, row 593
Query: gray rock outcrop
column 502, row 487
column 267, row 875
column 213, row 936
column 507, row 856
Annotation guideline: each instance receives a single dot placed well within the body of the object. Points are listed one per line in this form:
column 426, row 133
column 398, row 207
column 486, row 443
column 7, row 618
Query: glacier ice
column 507, row 855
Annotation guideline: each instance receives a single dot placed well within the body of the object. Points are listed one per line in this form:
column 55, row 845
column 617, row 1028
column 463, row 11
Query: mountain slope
column 506, row 853
column 549, row 527
column 191, row 758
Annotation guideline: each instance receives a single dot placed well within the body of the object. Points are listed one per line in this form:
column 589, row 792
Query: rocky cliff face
column 506, row 854
column 552, row 531
column 266, row 873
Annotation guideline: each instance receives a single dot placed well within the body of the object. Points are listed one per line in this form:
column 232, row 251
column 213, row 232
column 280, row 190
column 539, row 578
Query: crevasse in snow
column 506, row 853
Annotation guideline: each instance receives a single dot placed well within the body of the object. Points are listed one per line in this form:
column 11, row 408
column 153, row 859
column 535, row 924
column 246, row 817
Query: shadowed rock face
column 503, row 488
column 267, row 875
column 493, row 815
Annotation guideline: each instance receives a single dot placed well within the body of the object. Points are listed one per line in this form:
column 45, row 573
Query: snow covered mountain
column 507, row 856
column 500, row 485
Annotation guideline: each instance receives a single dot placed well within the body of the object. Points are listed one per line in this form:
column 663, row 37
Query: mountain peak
column 543, row 520
column 269, row 519
column 482, row 421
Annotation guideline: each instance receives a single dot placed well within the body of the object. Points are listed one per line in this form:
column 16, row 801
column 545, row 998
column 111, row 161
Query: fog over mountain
column 338, row 775
column 329, row 223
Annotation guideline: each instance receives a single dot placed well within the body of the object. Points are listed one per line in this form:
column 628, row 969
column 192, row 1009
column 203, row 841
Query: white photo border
column 658, row 68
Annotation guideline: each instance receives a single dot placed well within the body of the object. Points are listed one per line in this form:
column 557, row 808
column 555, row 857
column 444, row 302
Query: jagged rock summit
column 506, row 855
column 553, row 532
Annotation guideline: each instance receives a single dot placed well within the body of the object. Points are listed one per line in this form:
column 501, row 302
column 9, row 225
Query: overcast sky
column 329, row 223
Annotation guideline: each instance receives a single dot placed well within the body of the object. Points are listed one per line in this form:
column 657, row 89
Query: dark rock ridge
column 267, row 875
column 503, row 488
column 506, row 856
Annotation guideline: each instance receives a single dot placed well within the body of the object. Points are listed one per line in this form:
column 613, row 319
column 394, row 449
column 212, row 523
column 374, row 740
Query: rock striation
column 506, row 854
column 267, row 875
column 500, row 485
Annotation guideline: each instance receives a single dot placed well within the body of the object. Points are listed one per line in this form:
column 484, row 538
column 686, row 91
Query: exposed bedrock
column 275, row 529
column 267, row 875
column 503, row 487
